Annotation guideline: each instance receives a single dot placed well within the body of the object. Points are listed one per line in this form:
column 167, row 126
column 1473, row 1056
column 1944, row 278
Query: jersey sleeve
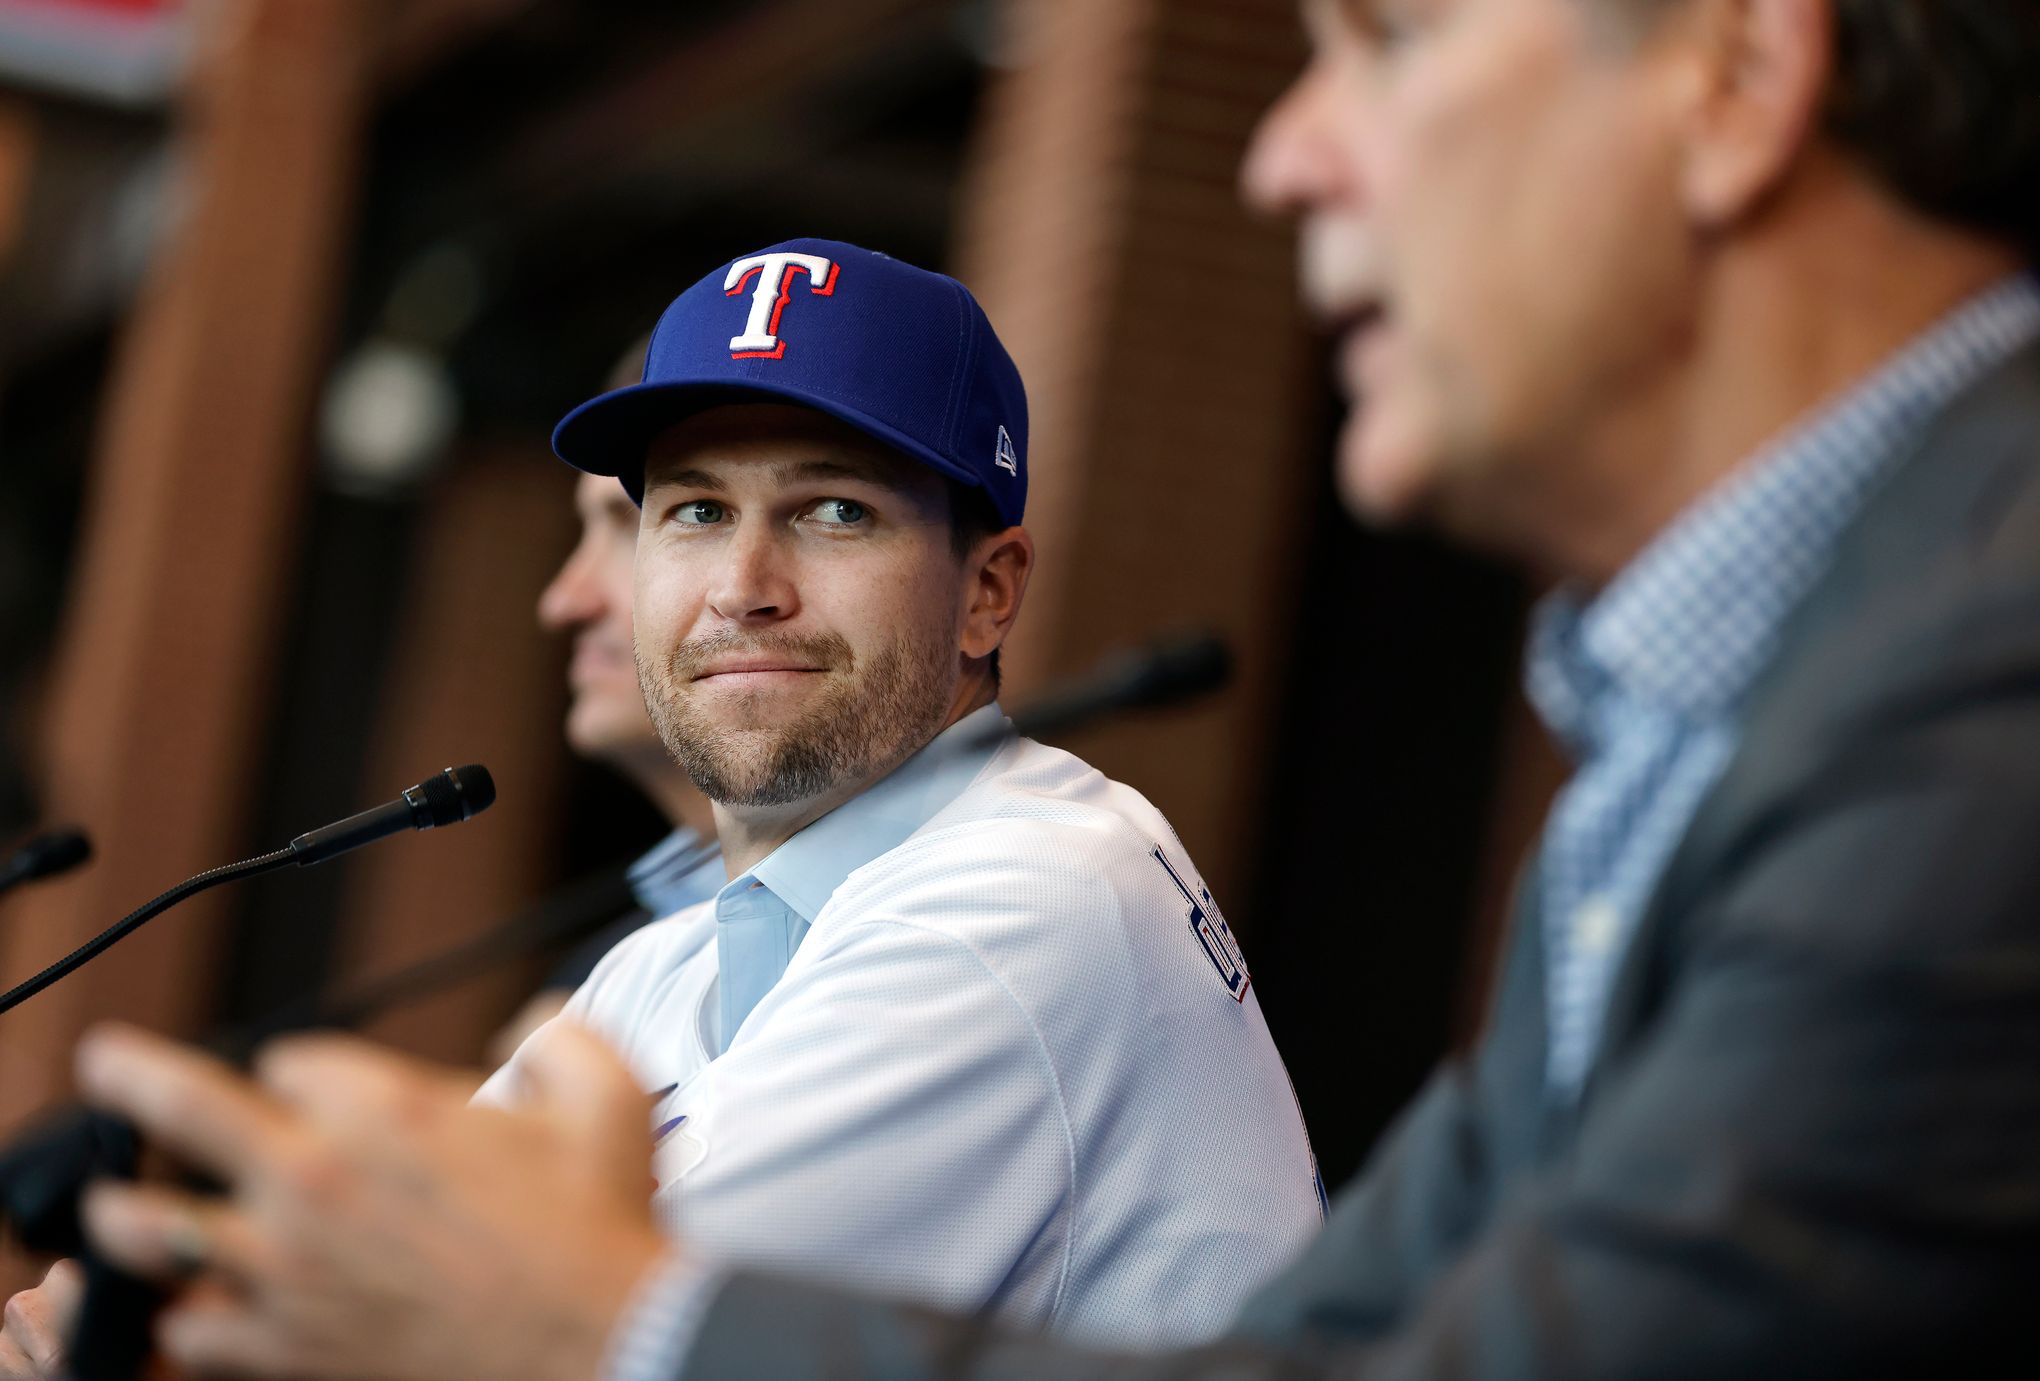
column 607, row 1003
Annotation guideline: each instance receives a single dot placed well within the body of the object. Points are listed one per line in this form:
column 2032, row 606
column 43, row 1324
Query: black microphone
column 45, row 856
column 456, row 794
column 1168, row 672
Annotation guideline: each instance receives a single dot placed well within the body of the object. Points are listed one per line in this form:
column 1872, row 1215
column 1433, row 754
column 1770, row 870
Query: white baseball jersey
column 1013, row 1063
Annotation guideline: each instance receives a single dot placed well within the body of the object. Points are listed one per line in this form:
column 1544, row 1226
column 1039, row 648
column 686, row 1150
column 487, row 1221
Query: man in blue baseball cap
column 950, row 1030
column 964, row 1024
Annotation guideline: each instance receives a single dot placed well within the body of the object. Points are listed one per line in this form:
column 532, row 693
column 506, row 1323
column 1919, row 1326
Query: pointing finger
column 193, row 1105
column 346, row 1084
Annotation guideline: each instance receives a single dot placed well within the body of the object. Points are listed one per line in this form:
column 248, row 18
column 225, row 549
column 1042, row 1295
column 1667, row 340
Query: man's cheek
column 663, row 609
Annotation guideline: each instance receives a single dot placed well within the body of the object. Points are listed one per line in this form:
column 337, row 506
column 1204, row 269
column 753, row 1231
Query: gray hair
column 1940, row 100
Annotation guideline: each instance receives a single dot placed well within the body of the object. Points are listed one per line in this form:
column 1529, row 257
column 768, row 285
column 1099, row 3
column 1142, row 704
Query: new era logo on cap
column 904, row 355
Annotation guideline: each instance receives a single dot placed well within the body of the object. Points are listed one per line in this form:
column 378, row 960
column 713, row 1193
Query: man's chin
column 1385, row 473
column 749, row 771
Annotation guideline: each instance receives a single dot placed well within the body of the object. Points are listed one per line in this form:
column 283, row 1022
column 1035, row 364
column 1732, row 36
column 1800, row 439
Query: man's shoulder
column 1040, row 837
column 1037, row 812
column 1938, row 577
column 1907, row 689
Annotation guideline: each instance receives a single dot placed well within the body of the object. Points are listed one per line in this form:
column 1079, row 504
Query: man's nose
column 754, row 580
column 572, row 598
column 1290, row 164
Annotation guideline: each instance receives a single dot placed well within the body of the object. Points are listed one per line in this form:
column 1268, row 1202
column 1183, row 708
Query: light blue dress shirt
column 679, row 871
column 1646, row 683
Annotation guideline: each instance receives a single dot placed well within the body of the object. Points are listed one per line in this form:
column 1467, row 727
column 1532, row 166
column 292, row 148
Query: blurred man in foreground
column 1718, row 311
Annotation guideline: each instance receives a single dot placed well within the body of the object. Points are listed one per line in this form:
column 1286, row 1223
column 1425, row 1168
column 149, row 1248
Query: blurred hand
column 540, row 1009
column 375, row 1225
column 37, row 1323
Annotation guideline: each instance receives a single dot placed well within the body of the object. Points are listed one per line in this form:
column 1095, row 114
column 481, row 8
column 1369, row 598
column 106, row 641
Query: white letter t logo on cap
column 760, row 340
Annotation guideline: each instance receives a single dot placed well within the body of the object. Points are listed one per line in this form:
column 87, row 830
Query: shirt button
column 1595, row 925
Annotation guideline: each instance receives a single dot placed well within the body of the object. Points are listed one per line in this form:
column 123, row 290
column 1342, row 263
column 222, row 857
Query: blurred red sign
column 125, row 51
column 96, row 9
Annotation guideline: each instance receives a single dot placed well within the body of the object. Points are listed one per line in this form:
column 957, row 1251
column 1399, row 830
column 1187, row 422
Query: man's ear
column 999, row 566
column 1763, row 69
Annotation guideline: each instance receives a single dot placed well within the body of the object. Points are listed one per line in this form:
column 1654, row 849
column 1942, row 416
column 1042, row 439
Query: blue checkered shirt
column 1645, row 683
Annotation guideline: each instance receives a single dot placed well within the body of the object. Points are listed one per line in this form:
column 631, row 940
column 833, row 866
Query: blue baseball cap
column 900, row 353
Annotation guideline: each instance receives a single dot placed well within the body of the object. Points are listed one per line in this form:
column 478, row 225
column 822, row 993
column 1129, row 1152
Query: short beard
column 862, row 727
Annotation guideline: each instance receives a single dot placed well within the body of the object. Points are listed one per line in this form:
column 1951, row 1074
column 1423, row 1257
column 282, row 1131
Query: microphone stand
column 140, row 916
column 584, row 910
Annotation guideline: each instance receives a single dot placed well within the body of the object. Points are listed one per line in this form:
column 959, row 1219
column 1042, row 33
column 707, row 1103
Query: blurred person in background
column 1720, row 312
column 606, row 722
column 589, row 599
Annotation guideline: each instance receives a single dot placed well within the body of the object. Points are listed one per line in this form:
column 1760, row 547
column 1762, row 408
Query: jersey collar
column 806, row 870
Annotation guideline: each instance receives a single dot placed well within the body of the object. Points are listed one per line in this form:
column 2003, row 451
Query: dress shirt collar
column 1687, row 626
column 675, row 873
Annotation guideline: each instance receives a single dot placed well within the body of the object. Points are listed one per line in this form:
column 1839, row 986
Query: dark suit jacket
column 1810, row 1146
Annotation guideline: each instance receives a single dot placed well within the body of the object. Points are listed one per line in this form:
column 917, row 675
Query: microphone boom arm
column 140, row 916
column 456, row 794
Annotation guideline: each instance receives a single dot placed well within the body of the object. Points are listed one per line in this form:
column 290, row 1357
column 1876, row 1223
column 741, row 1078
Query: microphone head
column 46, row 855
column 1162, row 673
column 458, row 793
column 1182, row 668
column 477, row 788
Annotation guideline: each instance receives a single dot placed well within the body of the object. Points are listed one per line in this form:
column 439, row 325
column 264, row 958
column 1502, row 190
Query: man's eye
column 698, row 512
column 840, row 511
column 1386, row 25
